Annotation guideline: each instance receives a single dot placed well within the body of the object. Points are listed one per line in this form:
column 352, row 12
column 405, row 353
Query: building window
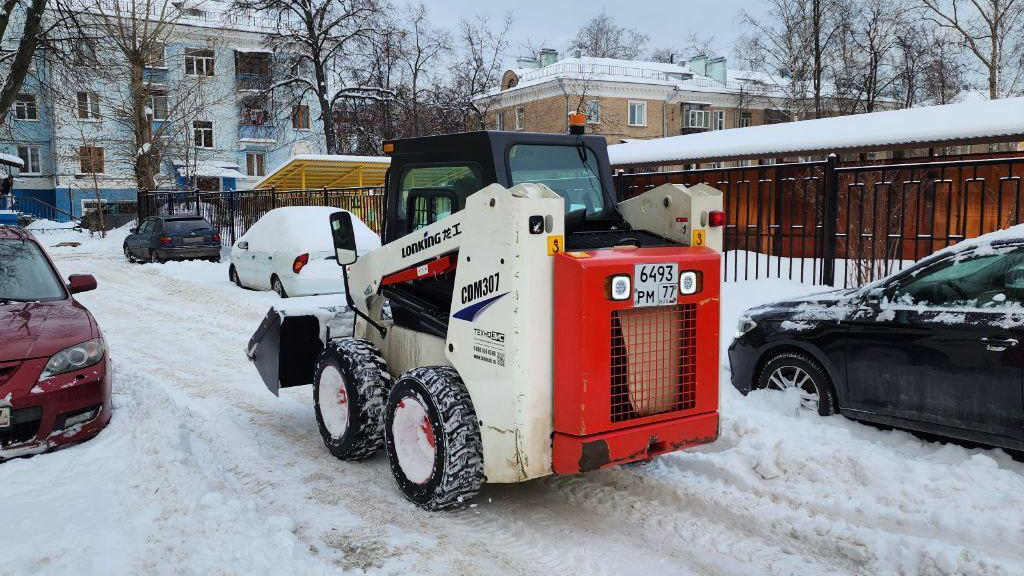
column 745, row 119
column 696, row 118
column 300, row 117
column 198, row 62
column 255, row 164
column 520, row 118
column 499, row 121
column 90, row 160
column 202, row 131
column 592, row 109
column 88, row 106
column 30, row 156
column 718, row 120
column 25, row 107
column 155, row 55
column 638, row 113
column 84, row 53
column 158, row 103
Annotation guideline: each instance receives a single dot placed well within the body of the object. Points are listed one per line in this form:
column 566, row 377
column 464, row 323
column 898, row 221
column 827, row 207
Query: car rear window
column 25, row 274
column 185, row 226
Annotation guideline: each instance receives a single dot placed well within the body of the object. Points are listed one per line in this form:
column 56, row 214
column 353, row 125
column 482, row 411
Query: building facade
column 207, row 96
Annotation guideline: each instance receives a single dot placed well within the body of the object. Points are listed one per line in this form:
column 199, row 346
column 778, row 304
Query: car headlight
column 744, row 325
column 74, row 358
column 619, row 287
column 689, row 282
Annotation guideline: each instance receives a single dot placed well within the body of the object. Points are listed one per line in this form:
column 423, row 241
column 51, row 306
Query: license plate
column 195, row 240
column 5, row 416
column 655, row 284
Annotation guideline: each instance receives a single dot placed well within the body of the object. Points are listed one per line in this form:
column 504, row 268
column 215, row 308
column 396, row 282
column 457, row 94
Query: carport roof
column 309, row 171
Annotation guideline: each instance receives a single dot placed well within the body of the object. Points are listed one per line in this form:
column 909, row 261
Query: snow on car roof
column 910, row 128
column 308, row 228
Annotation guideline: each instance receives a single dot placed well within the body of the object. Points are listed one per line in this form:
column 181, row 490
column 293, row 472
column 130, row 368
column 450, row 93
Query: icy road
column 203, row 471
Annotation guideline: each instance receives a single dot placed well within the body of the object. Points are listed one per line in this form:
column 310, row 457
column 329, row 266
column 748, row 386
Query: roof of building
column 968, row 122
column 210, row 169
column 308, row 171
column 8, row 160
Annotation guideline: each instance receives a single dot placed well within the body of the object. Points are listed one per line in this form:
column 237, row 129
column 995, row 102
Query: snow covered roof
column 210, row 169
column 8, row 160
column 978, row 121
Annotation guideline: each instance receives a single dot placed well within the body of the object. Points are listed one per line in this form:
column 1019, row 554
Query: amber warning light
column 577, row 123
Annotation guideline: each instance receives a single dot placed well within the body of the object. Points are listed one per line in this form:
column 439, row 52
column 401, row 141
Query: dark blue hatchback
column 162, row 238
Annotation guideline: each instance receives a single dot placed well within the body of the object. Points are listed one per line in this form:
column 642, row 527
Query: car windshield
column 570, row 171
column 185, row 226
column 25, row 274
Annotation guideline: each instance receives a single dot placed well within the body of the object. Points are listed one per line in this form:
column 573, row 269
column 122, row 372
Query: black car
column 162, row 238
column 936, row 348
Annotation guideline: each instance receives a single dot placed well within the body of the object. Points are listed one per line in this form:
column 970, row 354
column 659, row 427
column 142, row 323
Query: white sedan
column 290, row 251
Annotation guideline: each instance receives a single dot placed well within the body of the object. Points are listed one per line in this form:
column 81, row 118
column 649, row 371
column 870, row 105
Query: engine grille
column 653, row 361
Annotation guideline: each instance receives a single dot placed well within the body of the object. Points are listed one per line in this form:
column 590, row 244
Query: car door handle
column 998, row 344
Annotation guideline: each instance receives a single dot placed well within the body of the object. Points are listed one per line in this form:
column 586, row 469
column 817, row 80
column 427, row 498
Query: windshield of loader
column 570, row 171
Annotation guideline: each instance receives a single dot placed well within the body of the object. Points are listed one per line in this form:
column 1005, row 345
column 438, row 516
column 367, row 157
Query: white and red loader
column 517, row 322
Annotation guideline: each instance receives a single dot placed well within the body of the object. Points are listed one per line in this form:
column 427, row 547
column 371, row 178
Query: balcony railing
column 246, row 81
column 256, row 132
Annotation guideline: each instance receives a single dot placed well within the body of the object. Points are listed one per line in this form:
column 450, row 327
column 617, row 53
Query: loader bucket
column 285, row 349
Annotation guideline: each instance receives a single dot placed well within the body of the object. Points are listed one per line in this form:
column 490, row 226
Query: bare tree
column 602, row 38
column 321, row 36
column 479, row 67
column 992, row 30
column 426, row 45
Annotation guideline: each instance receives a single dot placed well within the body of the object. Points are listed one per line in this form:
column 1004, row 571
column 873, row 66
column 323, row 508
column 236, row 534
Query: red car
column 54, row 366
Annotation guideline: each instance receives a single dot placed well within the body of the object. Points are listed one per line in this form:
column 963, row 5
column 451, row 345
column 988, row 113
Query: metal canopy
column 308, row 171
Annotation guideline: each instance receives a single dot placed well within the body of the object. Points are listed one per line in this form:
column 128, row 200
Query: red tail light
column 216, row 237
column 165, row 239
column 716, row 218
column 299, row 262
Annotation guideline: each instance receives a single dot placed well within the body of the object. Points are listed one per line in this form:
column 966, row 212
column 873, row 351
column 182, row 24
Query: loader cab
column 431, row 177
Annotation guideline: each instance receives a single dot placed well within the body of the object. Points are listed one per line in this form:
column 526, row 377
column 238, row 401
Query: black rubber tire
column 277, row 286
column 367, row 383
column 233, row 276
column 128, row 255
column 156, row 258
column 827, row 403
column 458, row 471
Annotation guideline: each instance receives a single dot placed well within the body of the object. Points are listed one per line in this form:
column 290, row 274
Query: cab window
column 570, row 171
column 437, row 192
column 990, row 280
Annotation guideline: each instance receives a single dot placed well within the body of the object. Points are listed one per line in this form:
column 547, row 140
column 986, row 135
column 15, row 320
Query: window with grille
column 638, row 113
column 255, row 164
column 90, row 160
column 203, row 133
column 30, row 156
column 592, row 109
column 88, row 106
column 25, row 107
column 300, row 117
column 199, row 62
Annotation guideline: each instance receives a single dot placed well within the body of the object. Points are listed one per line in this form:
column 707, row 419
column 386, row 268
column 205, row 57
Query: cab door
column 946, row 346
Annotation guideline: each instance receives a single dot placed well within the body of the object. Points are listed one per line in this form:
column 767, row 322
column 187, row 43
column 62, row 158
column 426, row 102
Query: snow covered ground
column 203, row 471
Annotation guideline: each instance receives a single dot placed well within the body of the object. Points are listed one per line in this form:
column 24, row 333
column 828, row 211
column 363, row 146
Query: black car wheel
column 128, row 254
column 156, row 258
column 787, row 370
column 233, row 276
column 277, row 286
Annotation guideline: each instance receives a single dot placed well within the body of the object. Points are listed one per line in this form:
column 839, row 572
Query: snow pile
column 305, row 229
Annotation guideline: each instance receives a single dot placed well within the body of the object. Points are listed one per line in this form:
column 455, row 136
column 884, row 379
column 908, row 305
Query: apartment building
column 626, row 100
column 228, row 133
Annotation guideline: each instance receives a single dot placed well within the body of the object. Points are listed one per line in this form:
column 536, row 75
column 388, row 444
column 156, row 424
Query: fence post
column 829, row 221
column 325, row 196
column 231, row 214
column 273, row 197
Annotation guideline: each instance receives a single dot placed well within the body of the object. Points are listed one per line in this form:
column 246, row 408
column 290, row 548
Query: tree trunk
column 23, row 57
column 816, row 18
column 326, row 114
column 145, row 177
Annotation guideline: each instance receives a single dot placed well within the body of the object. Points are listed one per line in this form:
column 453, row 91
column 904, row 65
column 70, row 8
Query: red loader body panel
column 632, row 382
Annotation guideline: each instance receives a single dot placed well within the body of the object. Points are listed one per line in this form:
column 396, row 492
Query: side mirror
column 134, row 230
column 243, row 245
column 344, row 238
column 81, row 283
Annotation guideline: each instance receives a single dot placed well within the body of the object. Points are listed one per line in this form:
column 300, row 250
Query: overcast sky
column 554, row 22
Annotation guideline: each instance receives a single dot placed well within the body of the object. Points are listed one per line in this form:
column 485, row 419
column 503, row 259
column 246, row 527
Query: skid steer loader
column 517, row 322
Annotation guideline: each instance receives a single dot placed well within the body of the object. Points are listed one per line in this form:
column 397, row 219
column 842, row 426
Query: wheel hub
column 333, row 399
column 415, row 445
column 794, row 377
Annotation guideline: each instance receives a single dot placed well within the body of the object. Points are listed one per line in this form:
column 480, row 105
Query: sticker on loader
column 698, row 238
column 556, row 244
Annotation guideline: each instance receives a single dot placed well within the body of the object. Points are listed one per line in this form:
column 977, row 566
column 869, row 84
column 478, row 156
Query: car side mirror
column 243, row 245
column 134, row 230
column 81, row 283
column 344, row 238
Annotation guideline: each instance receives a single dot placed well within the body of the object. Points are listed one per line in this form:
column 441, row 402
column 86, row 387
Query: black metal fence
column 234, row 212
column 819, row 222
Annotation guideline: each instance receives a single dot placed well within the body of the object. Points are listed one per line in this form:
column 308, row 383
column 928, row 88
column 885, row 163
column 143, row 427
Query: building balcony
column 257, row 133
column 252, row 82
